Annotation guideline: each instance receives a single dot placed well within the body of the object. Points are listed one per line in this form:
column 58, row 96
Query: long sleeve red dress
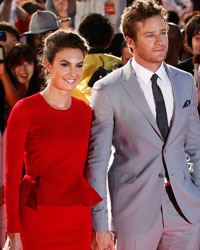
column 50, row 207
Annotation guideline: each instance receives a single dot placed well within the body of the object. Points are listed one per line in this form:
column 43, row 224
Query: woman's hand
column 13, row 242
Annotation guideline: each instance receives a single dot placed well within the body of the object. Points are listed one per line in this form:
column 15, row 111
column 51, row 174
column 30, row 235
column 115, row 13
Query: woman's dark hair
column 18, row 54
column 97, row 30
column 173, row 17
column 29, row 41
column 62, row 39
column 192, row 29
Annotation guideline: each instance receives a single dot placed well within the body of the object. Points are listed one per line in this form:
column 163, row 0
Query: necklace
column 66, row 106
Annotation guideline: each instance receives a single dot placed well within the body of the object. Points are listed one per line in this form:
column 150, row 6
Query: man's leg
column 178, row 233
column 146, row 241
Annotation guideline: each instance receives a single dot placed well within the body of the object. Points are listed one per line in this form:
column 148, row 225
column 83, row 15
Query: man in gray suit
column 148, row 111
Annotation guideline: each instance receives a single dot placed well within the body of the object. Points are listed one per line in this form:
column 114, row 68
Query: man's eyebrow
column 151, row 31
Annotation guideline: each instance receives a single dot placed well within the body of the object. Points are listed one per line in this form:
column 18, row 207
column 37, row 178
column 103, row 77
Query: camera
column 3, row 36
column 1, row 54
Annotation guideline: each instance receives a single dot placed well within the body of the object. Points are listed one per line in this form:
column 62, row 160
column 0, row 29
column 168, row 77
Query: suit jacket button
column 164, row 151
column 160, row 175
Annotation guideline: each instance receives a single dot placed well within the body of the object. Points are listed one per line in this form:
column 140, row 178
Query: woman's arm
column 61, row 7
column 11, row 94
column 21, row 13
column 16, row 135
column 6, row 10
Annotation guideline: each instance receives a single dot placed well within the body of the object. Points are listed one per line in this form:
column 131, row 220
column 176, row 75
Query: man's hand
column 102, row 241
column 1, row 195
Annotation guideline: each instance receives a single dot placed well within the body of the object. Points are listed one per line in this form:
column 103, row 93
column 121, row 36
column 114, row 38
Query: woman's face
column 67, row 69
column 23, row 72
column 196, row 44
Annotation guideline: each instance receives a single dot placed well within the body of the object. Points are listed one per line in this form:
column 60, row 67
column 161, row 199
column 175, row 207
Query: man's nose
column 158, row 40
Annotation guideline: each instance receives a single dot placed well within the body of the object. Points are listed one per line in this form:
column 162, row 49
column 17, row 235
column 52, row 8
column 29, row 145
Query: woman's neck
column 58, row 99
column 22, row 89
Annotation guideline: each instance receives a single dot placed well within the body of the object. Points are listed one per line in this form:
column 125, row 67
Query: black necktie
column 161, row 114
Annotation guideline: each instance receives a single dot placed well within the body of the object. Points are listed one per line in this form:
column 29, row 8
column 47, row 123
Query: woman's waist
column 73, row 189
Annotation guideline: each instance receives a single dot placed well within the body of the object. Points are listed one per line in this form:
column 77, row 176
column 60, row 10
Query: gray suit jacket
column 123, row 118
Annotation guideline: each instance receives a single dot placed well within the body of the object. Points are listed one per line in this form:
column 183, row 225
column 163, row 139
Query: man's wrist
column 66, row 16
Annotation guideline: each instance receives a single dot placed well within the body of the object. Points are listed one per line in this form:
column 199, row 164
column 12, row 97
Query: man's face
column 196, row 44
column 38, row 40
column 151, row 46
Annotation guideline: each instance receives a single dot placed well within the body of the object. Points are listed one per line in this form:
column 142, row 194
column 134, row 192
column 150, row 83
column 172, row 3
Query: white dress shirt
column 144, row 78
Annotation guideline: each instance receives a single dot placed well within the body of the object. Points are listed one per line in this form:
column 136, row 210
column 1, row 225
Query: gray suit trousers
column 171, row 231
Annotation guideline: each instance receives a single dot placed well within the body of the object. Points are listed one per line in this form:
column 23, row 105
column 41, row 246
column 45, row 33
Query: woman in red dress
column 49, row 131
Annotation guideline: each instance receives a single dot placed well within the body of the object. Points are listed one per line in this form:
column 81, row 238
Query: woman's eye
column 80, row 66
column 64, row 64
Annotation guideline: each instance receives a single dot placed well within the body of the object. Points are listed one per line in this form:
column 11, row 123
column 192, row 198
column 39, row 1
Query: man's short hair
column 139, row 11
column 192, row 29
column 97, row 30
column 5, row 26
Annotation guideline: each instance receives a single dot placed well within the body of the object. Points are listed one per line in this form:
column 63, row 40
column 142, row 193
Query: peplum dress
column 50, row 207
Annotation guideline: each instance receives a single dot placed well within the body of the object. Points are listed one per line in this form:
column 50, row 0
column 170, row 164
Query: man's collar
column 145, row 74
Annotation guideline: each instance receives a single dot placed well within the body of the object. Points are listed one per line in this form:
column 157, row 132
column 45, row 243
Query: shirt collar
column 145, row 74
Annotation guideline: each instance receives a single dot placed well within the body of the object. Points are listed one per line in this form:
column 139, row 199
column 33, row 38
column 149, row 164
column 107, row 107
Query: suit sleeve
column 192, row 140
column 16, row 134
column 99, row 152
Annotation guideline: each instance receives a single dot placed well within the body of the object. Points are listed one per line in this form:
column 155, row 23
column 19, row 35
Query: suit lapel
column 175, row 90
column 132, row 87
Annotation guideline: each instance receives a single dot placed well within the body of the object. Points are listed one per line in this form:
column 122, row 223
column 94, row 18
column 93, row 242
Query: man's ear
column 130, row 43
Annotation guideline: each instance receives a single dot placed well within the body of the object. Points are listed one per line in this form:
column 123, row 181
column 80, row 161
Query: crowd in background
column 26, row 23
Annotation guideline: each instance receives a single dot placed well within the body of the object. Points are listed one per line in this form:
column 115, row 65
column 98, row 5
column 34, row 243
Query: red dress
column 51, row 206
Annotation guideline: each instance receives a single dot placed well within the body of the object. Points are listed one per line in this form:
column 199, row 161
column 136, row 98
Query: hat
column 42, row 21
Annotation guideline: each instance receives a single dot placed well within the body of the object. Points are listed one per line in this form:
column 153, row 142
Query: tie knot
column 154, row 78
